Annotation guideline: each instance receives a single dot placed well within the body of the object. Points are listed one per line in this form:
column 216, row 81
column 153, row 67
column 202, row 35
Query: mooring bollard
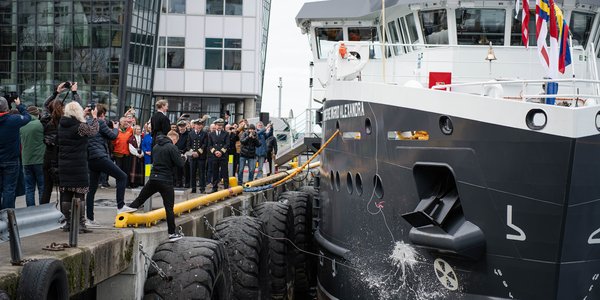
column 15, row 239
column 73, row 234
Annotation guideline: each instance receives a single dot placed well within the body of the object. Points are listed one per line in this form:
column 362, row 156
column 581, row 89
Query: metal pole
column 310, row 95
column 280, row 86
column 14, row 238
column 73, row 234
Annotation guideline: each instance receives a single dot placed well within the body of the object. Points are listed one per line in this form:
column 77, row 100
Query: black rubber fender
column 43, row 279
column 278, row 221
column 248, row 252
column 304, row 264
column 4, row 295
column 197, row 268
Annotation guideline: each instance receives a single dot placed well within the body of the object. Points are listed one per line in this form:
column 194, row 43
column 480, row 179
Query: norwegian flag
column 524, row 22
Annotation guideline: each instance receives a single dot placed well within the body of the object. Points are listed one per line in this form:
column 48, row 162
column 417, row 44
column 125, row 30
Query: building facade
column 107, row 46
column 211, row 56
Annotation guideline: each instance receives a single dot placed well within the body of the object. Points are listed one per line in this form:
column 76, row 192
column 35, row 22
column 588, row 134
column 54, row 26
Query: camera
column 10, row 98
column 91, row 106
column 67, row 85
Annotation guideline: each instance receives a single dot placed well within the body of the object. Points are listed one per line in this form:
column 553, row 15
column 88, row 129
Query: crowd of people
column 76, row 149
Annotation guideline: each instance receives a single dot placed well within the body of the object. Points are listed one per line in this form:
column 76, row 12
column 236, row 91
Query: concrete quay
column 107, row 263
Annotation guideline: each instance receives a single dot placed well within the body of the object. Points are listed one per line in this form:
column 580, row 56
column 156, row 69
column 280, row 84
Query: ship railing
column 303, row 125
column 593, row 64
column 575, row 96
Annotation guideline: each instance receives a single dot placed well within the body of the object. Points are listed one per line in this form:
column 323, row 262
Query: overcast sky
column 288, row 56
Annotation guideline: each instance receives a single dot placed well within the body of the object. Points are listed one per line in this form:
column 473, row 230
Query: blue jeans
column 261, row 162
column 251, row 167
column 34, row 175
column 9, row 173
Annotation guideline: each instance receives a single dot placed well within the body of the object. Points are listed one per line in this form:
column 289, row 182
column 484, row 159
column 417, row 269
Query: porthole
column 446, row 125
column 378, row 186
column 598, row 121
column 368, row 129
column 349, row 184
column 359, row 186
column 536, row 119
column 337, row 181
column 332, row 179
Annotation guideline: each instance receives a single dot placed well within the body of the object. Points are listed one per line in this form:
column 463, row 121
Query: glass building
column 107, row 46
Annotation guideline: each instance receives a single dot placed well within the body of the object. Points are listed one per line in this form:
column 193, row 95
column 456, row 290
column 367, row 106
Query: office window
column 223, row 54
column 171, row 52
column 173, row 6
column 227, row 7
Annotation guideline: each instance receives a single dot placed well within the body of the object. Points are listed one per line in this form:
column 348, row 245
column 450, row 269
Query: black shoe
column 105, row 185
column 193, row 191
column 84, row 229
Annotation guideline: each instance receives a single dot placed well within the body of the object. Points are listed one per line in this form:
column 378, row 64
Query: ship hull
column 523, row 224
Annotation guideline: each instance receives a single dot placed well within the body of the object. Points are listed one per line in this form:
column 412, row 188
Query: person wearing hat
column 181, row 174
column 32, row 155
column 9, row 150
column 197, row 142
column 218, row 143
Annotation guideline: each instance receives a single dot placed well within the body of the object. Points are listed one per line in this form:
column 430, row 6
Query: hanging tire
column 304, row 264
column 248, row 252
column 278, row 221
column 197, row 268
column 43, row 279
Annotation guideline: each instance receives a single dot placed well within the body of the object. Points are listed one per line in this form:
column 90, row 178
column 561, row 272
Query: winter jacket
column 147, row 147
column 249, row 145
column 165, row 157
column 198, row 142
column 9, row 131
column 51, row 129
column 73, row 152
column 182, row 143
column 97, row 145
column 263, row 135
column 271, row 145
column 32, row 139
column 121, row 143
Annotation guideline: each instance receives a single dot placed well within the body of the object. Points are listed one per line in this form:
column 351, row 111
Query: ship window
column 366, row 34
column 412, row 29
column 515, row 32
column 327, row 38
column 393, row 30
column 404, row 33
column 435, row 26
column 581, row 26
column 476, row 26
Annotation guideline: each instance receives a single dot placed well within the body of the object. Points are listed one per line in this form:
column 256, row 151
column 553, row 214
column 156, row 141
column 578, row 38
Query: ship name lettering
column 343, row 111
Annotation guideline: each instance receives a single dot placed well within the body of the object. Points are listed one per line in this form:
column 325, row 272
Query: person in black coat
column 218, row 143
column 165, row 157
column 161, row 125
column 233, row 139
column 73, row 173
column 249, row 143
column 99, row 161
column 197, row 142
column 182, row 178
column 271, row 152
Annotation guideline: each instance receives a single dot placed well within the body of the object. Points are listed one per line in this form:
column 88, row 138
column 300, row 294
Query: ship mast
column 383, row 35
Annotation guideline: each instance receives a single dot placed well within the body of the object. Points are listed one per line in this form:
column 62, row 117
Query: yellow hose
column 298, row 170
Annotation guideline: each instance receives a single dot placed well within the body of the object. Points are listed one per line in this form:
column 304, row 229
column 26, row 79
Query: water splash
column 403, row 256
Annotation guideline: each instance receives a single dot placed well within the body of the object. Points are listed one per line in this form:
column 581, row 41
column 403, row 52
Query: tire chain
column 211, row 228
column 152, row 263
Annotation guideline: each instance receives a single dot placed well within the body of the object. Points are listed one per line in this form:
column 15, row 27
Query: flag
column 554, row 48
column 564, row 58
column 524, row 21
column 542, row 17
column 546, row 15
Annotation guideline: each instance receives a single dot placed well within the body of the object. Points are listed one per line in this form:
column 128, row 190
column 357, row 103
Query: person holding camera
column 249, row 142
column 73, row 172
column 261, row 152
column 53, row 111
column 218, row 143
column 9, row 150
column 99, row 162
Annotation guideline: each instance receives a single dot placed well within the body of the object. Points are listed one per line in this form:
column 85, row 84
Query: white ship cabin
column 446, row 45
